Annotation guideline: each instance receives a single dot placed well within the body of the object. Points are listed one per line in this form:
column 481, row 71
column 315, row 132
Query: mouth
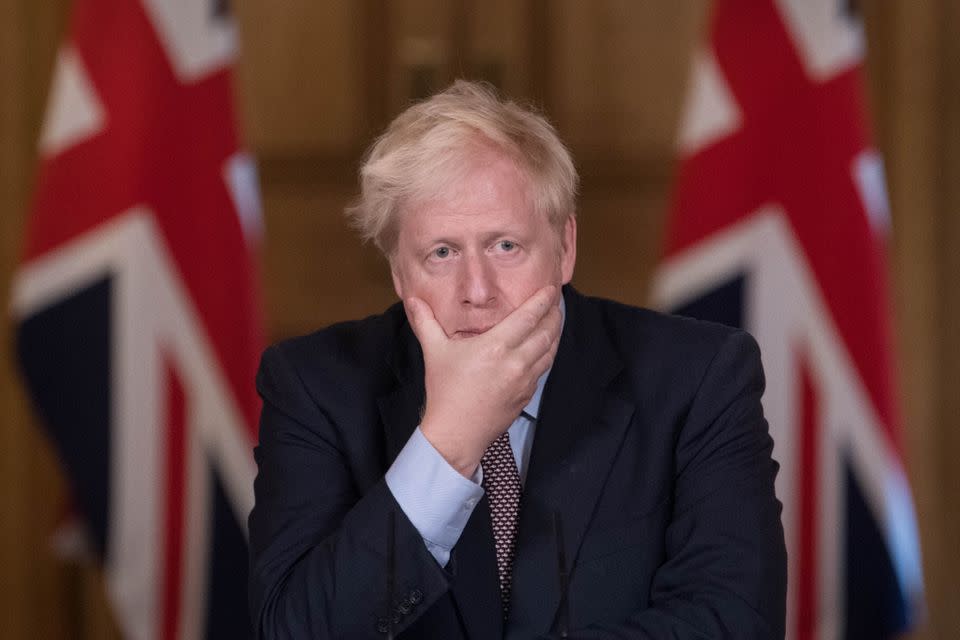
column 470, row 332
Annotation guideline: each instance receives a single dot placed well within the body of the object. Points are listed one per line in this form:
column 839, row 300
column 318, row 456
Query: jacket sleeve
column 318, row 549
column 725, row 572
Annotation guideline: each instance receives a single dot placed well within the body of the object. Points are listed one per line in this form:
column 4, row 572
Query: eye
column 441, row 253
column 507, row 245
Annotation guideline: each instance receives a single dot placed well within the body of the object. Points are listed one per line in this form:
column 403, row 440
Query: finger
column 541, row 339
column 423, row 322
column 546, row 360
column 524, row 319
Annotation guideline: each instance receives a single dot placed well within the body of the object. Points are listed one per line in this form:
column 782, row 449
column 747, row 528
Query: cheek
column 518, row 286
column 416, row 281
column 438, row 292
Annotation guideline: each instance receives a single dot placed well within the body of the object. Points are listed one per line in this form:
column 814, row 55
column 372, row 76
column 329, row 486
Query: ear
column 568, row 249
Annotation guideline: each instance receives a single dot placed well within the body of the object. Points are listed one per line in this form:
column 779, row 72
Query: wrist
column 451, row 446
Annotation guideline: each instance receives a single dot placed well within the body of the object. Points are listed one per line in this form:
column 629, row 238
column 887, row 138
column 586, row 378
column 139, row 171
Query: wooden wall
column 318, row 79
column 313, row 104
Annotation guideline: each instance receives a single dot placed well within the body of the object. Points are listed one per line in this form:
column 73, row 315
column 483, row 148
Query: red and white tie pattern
column 501, row 481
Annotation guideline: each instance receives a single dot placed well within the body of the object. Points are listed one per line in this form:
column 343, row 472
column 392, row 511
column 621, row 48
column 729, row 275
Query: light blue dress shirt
column 436, row 498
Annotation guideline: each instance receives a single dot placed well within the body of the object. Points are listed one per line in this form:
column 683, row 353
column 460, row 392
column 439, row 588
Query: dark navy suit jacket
column 651, row 446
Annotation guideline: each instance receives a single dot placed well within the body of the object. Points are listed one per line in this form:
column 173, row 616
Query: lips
column 471, row 332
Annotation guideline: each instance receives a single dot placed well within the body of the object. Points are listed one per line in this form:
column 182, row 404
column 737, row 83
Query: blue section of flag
column 228, row 571
column 876, row 606
column 723, row 303
column 64, row 353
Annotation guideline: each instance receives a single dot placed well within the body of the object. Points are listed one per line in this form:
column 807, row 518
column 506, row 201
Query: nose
column 477, row 281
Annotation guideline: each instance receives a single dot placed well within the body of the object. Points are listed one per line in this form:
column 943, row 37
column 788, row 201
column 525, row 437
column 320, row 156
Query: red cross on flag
column 137, row 308
column 779, row 225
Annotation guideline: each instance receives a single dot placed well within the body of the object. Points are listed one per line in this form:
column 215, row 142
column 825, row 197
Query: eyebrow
column 443, row 240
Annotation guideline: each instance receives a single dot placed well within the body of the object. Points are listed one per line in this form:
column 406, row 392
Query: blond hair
column 430, row 144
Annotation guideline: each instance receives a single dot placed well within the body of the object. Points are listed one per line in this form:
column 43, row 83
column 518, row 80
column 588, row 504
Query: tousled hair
column 430, row 145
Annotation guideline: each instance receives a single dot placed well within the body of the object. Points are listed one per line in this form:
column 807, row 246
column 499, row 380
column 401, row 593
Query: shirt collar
column 533, row 407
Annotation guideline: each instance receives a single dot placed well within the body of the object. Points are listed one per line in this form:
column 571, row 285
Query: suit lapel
column 473, row 562
column 579, row 430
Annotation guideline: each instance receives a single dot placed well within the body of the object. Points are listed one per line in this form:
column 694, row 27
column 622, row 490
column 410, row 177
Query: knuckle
column 546, row 340
column 516, row 367
column 530, row 317
column 496, row 351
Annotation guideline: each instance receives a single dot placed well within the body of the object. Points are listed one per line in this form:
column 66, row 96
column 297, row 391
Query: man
column 499, row 456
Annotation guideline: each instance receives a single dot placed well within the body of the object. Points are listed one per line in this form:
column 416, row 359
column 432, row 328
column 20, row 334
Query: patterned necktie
column 502, row 485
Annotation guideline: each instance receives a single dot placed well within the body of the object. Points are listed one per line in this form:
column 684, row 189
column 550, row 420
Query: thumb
column 423, row 322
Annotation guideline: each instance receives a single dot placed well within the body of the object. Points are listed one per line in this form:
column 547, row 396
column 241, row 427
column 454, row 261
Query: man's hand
column 478, row 386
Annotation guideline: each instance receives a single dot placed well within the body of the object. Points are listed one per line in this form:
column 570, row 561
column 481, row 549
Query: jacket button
column 415, row 597
column 382, row 625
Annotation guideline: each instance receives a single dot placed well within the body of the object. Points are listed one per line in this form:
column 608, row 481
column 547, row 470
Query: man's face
column 479, row 250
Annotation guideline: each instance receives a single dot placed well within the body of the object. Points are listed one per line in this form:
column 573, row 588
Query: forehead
column 486, row 189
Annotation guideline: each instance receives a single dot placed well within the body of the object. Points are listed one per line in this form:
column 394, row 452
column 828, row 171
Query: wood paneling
column 907, row 101
column 25, row 472
column 316, row 268
column 618, row 73
column 499, row 42
column 298, row 75
column 424, row 50
column 944, row 428
column 14, row 469
column 618, row 242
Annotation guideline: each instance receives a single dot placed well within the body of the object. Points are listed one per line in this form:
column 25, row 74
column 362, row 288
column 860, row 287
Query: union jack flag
column 779, row 225
column 137, row 308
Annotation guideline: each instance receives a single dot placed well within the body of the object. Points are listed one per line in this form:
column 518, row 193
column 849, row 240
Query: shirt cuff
column 435, row 497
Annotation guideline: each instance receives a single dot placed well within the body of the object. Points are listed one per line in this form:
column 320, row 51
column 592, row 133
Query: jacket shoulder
column 345, row 352
column 656, row 345
column 658, row 329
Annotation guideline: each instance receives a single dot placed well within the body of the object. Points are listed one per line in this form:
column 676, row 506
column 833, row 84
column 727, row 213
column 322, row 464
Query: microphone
column 391, row 569
column 563, row 613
